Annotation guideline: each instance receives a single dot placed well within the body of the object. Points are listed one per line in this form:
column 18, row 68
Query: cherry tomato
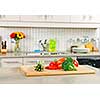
column 47, row 67
column 59, row 66
column 51, row 67
column 75, row 62
column 52, row 64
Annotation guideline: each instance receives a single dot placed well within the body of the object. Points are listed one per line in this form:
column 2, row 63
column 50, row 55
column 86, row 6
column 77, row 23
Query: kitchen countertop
column 25, row 55
column 14, row 76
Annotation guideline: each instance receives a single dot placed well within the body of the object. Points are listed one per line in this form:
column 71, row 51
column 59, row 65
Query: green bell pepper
column 68, row 65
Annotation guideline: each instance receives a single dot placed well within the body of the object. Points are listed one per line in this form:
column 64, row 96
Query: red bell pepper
column 53, row 66
column 75, row 62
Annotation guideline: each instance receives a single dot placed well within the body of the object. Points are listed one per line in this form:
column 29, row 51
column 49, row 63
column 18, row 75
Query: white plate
column 80, row 50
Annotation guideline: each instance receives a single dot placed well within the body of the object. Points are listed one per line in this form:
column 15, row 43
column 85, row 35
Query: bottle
column 4, row 47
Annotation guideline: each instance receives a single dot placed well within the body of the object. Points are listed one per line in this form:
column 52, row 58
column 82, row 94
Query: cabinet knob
column 45, row 16
column 90, row 17
column 84, row 17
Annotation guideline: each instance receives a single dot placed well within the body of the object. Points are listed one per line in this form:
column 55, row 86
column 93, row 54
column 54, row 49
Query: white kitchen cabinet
column 57, row 18
column 73, row 18
column 32, row 18
column 45, row 18
column 94, row 19
column 78, row 18
column 33, row 61
column 11, row 62
column 52, row 18
column 85, row 18
column 9, row 17
column 29, row 61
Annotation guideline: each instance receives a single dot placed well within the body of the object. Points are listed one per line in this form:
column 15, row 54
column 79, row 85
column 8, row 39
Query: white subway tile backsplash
column 33, row 35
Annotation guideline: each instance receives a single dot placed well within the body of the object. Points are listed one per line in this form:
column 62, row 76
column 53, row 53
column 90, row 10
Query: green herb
column 39, row 67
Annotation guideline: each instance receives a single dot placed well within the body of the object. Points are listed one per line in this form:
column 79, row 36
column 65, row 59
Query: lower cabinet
column 29, row 61
column 11, row 62
column 17, row 62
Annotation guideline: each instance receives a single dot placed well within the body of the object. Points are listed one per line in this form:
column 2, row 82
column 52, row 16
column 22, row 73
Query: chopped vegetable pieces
column 39, row 67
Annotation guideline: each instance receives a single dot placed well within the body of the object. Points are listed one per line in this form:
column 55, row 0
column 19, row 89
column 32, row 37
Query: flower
column 12, row 35
column 17, row 35
column 23, row 34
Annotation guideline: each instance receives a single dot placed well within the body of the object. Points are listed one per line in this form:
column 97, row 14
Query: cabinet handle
column 48, row 60
column 31, row 61
column 84, row 17
column 90, row 17
column 11, row 62
column 45, row 16
column 36, row 61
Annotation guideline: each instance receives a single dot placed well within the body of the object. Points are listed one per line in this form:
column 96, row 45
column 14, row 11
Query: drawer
column 11, row 62
column 29, row 61
column 33, row 61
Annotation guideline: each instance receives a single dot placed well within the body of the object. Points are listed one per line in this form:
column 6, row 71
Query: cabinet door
column 30, row 61
column 78, row 18
column 33, row 61
column 94, row 19
column 85, row 18
column 9, row 18
column 11, row 62
column 45, row 18
column 31, row 18
column 57, row 18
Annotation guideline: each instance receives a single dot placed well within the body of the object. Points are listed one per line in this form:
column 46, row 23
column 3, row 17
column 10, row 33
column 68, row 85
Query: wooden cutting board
column 82, row 69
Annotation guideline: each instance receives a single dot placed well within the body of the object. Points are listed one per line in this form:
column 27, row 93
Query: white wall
column 33, row 35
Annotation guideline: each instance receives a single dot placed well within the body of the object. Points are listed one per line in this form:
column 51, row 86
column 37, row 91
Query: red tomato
column 51, row 67
column 47, row 67
column 75, row 62
column 59, row 66
column 52, row 64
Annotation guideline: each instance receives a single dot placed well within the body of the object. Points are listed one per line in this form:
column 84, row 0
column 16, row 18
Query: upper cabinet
column 85, row 18
column 69, row 21
column 9, row 17
column 52, row 18
column 61, row 18
column 77, row 18
column 45, row 18
column 57, row 18
column 32, row 18
column 94, row 19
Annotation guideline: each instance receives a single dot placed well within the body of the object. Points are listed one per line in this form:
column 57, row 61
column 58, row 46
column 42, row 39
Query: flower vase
column 17, row 48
